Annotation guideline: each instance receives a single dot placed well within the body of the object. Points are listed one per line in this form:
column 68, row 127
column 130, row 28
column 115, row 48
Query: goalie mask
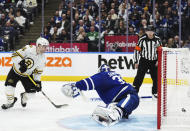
column 104, row 68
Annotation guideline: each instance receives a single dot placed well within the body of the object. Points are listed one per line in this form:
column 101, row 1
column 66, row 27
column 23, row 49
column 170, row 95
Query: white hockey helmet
column 42, row 41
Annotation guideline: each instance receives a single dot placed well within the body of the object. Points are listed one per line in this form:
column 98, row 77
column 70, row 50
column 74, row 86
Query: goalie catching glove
column 23, row 66
column 70, row 90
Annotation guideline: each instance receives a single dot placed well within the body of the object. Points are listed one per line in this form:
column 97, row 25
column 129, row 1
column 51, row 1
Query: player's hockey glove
column 38, row 86
column 23, row 66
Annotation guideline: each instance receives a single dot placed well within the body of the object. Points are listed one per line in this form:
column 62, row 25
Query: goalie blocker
column 120, row 97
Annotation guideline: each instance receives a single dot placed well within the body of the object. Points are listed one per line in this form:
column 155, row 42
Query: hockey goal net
column 173, row 110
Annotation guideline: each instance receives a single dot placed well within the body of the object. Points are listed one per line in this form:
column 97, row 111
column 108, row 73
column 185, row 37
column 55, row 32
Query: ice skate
column 23, row 102
column 7, row 106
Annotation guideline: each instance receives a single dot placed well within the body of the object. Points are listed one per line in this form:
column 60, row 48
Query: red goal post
column 173, row 85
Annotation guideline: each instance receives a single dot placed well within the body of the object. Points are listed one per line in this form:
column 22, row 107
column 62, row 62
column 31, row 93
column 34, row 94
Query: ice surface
column 41, row 115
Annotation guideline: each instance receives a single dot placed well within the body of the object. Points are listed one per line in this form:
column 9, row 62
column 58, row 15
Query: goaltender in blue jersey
column 120, row 97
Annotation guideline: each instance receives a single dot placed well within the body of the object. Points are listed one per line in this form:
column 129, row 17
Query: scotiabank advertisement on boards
column 66, row 47
column 77, row 66
column 119, row 41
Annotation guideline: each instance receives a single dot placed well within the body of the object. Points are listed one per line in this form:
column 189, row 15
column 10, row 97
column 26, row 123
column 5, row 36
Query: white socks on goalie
column 107, row 116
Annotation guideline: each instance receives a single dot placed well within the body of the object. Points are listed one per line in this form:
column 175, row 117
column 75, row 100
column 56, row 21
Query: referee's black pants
column 143, row 67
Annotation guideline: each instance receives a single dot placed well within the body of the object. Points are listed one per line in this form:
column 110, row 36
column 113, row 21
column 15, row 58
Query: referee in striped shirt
column 145, row 58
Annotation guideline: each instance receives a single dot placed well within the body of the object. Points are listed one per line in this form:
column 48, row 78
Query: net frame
column 163, row 81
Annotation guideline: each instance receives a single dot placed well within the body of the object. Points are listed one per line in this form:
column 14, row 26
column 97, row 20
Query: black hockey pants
column 143, row 67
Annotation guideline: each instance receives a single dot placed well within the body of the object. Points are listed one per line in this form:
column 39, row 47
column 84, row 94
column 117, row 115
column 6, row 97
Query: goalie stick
column 56, row 106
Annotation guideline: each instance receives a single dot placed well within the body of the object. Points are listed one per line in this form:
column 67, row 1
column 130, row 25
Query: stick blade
column 60, row 106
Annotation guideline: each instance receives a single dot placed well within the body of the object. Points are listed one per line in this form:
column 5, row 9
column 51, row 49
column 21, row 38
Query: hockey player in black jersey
column 120, row 97
column 30, row 60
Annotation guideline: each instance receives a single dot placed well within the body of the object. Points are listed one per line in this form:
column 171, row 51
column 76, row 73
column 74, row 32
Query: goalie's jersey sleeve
column 109, row 86
column 35, row 62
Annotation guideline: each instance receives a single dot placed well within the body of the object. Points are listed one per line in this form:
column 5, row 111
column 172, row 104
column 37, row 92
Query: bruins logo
column 29, row 62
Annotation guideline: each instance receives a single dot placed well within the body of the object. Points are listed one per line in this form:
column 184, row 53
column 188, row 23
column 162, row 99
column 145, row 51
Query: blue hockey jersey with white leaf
column 109, row 86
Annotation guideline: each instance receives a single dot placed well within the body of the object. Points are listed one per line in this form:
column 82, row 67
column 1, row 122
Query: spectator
column 31, row 7
column 52, row 22
column 2, row 44
column 170, row 43
column 131, row 30
column 92, row 35
column 122, row 14
column 81, row 37
column 76, row 18
column 21, row 20
column 186, row 20
column 187, row 44
column 113, row 6
column 109, row 22
column 93, row 23
column 8, row 32
column 103, row 34
column 81, row 24
column 3, row 20
column 15, row 25
column 65, row 23
column 176, row 42
column 87, row 14
column 113, row 15
column 143, row 24
column 54, row 34
column 141, row 32
column 121, row 30
column 63, row 37
column 57, row 18
column 163, row 9
column 87, row 23
column 46, row 34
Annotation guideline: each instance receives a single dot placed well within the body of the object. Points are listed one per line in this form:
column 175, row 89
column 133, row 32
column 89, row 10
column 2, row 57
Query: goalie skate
column 105, row 121
column 7, row 106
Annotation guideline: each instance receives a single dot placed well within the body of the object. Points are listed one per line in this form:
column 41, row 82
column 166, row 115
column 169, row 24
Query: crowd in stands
column 85, row 14
column 16, row 17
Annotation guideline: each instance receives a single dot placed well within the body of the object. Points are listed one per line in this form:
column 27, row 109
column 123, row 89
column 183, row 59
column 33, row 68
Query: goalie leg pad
column 129, row 103
column 107, row 116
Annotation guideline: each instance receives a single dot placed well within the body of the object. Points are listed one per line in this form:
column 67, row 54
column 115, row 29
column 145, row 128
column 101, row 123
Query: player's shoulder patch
column 30, row 47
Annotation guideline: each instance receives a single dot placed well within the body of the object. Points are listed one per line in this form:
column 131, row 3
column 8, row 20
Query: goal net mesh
column 173, row 86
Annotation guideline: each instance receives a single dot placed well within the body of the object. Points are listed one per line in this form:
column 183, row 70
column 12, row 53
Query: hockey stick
column 56, row 106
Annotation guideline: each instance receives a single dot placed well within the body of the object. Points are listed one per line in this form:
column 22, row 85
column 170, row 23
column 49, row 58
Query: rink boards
column 77, row 66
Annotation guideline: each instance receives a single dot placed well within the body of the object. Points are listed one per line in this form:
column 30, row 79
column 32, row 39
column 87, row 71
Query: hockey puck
column 183, row 110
